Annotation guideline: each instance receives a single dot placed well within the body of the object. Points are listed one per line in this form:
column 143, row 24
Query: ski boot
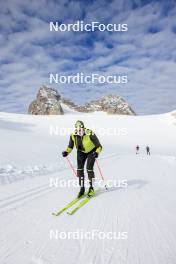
column 91, row 192
column 81, row 192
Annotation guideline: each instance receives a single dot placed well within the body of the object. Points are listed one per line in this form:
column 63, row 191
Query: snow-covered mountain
column 49, row 102
column 143, row 213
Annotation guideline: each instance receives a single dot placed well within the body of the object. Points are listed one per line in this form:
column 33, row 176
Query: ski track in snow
column 149, row 239
column 146, row 209
column 10, row 173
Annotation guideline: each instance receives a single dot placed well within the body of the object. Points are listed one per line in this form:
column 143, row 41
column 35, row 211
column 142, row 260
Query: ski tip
column 54, row 214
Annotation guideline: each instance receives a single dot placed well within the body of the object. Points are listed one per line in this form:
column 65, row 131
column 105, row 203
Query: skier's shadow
column 132, row 184
column 137, row 183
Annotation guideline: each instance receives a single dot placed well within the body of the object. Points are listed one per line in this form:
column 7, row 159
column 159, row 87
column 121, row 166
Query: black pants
column 81, row 159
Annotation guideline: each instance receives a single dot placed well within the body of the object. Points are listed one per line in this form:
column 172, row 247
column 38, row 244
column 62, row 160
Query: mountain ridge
column 49, row 102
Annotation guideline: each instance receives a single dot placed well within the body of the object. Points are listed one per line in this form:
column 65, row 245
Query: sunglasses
column 79, row 126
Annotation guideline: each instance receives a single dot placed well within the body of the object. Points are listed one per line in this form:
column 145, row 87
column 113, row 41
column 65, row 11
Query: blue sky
column 146, row 53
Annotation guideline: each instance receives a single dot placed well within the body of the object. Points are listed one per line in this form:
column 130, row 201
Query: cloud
column 146, row 52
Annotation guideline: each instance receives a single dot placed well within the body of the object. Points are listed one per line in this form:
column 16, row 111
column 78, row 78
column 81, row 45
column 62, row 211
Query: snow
column 143, row 213
column 67, row 109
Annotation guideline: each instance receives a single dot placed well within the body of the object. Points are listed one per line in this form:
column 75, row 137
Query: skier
column 137, row 149
column 148, row 150
column 88, row 148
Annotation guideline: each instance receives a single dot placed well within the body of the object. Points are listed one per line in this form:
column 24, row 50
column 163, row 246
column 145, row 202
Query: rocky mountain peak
column 49, row 102
column 112, row 104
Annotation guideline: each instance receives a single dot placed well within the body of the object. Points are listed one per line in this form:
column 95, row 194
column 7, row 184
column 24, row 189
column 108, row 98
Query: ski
column 83, row 202
column 68, row 205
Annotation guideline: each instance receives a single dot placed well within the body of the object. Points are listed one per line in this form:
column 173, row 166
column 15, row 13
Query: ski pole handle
column 71, row 166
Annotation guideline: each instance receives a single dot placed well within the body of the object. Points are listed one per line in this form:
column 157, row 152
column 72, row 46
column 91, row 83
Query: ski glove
column 95, row 155
column 64, row 154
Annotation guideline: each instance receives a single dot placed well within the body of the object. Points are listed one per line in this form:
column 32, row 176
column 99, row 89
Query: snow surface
column 30, row 156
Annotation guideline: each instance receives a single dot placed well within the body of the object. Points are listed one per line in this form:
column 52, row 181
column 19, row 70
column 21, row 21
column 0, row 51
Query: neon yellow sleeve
column 98, row 150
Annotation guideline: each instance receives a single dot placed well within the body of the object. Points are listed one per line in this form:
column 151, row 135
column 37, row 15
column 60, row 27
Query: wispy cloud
column 146, row 52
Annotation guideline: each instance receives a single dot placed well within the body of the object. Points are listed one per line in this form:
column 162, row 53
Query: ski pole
column 71, row 166
column 98, row 166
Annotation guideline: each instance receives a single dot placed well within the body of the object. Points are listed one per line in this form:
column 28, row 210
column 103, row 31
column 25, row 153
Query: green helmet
column 79, row 124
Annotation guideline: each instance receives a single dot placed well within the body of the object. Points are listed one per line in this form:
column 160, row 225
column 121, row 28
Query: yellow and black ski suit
column 86, row 145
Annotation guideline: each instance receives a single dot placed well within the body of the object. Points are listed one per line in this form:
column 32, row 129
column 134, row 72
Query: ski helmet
column 79, row 124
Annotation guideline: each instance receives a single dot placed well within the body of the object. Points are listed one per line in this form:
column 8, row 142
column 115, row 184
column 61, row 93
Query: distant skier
column 137, row 149
column 88, row 148
column 148, row 150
